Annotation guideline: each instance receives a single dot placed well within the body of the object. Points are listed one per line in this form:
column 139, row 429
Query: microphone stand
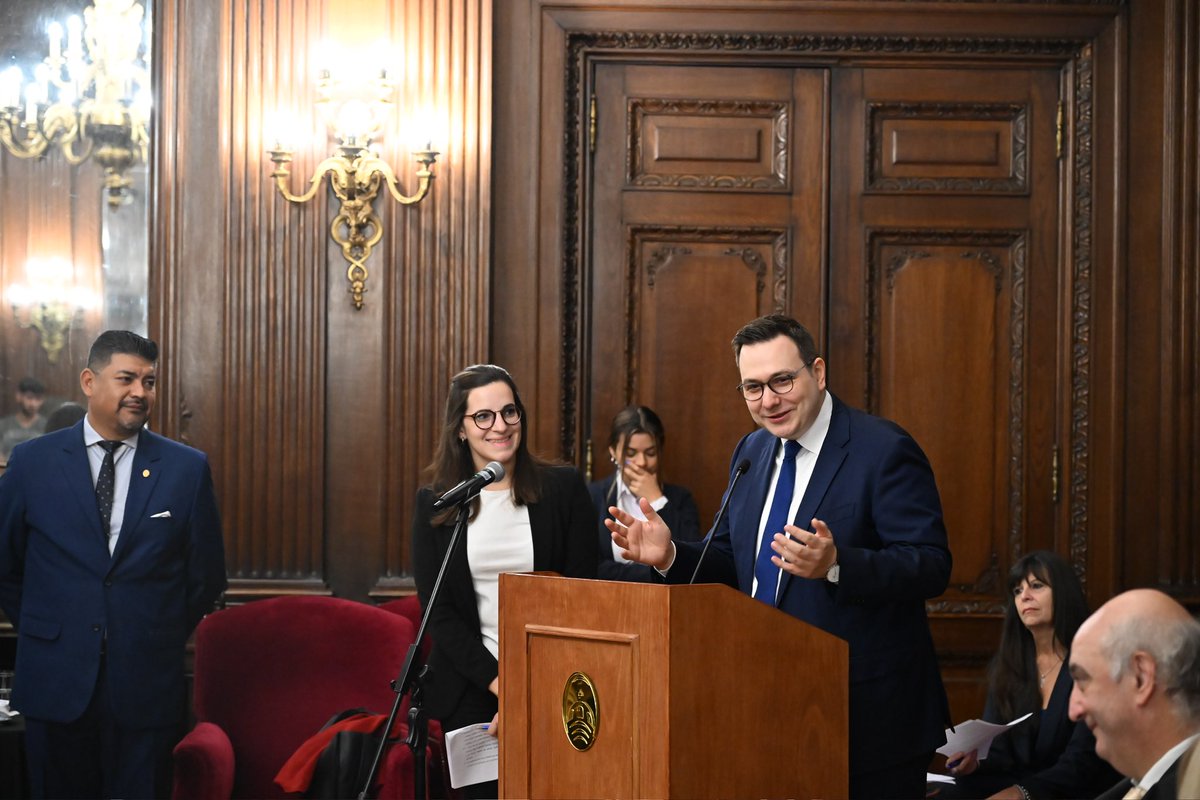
column 738, row 473
column 410, row 678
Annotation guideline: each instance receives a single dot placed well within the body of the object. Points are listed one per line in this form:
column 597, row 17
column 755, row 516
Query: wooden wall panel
column 317, row 416
column 1159, row 541
column 986, row 150
column 947, row 341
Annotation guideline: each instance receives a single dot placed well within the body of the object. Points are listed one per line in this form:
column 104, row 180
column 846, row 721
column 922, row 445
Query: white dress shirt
column 810, row 447
column 122, row 470
column 629, row 504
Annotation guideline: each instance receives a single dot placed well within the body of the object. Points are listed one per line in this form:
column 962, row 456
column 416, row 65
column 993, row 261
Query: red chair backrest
column 272, row 672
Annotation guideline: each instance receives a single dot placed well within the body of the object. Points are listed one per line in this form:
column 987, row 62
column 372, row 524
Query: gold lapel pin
column 145, row 473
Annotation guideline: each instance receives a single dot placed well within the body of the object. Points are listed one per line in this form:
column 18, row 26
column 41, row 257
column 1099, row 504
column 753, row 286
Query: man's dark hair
column 31, row 386
column 129, row 343
column 764, row 329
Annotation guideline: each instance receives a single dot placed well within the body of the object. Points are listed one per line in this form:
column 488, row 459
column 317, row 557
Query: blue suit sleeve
column 206, row 556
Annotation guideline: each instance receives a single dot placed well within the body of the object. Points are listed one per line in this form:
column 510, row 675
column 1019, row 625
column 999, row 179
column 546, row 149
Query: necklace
column 1042, row 677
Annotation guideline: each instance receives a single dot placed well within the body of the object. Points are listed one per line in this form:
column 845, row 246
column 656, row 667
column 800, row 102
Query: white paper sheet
column 975, row 734
column 473, row 756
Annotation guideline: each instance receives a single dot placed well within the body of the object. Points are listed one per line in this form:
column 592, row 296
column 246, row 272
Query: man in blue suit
column 110, row 553
column 838, row 523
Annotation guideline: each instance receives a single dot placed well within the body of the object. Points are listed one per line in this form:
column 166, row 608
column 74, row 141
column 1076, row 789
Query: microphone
column 738, row 472
column 471, row 486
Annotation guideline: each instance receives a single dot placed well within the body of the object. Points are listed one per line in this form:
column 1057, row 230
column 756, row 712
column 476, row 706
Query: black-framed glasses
column 485, row 419
column 780, row 384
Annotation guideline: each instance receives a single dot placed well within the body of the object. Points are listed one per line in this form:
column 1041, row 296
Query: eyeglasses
column 484, row 420
column 780, row 384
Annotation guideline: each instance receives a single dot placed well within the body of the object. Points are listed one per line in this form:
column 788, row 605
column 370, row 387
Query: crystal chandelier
column 89, row 98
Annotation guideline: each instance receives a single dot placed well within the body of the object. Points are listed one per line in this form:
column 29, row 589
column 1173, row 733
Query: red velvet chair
column 409, row 607
column 270, row 673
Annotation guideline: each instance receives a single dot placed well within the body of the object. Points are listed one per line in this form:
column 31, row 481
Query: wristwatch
column 834, row 573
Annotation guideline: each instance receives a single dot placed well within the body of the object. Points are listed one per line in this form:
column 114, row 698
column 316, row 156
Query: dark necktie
column 766, row 573
column 105, row 483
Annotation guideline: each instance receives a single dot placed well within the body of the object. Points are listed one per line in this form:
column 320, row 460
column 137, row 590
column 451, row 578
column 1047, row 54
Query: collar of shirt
column 812, row 439
column 1164, row 763
column 90, row 437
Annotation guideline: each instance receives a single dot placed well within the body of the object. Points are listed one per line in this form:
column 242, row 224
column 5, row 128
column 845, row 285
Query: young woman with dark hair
column 537, row 517
column 635, row 444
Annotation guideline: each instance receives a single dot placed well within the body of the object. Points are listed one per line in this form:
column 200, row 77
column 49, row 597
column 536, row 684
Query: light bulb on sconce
column 50, row 302
column 354, row 107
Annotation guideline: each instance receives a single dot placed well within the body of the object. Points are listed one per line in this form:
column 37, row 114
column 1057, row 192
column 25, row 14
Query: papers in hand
column 473, row 756
column 975, row 734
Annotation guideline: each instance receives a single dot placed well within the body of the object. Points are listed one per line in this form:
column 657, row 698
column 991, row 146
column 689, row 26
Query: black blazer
column 563, row 526
column 680, row 514
column 1054, row 757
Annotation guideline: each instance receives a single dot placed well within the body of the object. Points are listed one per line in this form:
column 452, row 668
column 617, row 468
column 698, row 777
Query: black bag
column 343, row 765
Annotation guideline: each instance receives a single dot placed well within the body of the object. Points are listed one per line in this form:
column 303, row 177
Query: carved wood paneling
column 708, row 144
column 947, row 148
column 323, row 415
column 569, row 40
column 946, row 309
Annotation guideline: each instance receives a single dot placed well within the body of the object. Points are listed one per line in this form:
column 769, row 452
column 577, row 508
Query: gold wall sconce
column 50, row 303
column 90, row 99
column 354, row 109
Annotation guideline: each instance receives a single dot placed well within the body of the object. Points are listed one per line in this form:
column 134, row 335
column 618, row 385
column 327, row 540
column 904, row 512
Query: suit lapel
column 147, row 466
column 746, row 512
column 78, row 474
column 833, row 453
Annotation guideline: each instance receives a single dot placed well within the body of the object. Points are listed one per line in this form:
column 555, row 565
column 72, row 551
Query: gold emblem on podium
column 580, row 711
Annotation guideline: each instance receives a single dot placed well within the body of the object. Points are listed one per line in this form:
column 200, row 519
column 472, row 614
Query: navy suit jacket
column 563, row 527
column 680, row 514
column 68, row 598
column 874, row 487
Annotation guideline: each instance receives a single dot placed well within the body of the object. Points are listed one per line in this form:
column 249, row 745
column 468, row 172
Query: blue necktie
column 766, row 573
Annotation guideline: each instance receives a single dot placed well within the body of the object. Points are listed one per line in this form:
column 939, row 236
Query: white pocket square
column 161, row 515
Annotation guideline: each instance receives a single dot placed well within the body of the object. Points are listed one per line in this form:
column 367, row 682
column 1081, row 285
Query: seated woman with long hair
column 537, row 517
column 1047, row 755
column 635, row 444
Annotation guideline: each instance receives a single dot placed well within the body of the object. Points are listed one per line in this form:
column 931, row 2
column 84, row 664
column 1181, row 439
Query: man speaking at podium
column 837, row 522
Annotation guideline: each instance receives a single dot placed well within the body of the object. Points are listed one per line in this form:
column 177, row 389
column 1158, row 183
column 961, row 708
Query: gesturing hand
column 645, row 541
column 808, row 555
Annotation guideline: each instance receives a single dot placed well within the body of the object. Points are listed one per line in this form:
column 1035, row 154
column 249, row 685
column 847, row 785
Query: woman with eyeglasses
column 635, row 444
column 537, row 517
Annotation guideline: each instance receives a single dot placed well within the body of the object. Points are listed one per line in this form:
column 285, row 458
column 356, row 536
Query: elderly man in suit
column 1137, row 687
column 110, row 553
column 838, row 522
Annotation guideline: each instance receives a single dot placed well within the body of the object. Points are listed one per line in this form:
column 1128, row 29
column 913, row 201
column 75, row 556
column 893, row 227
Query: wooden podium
column 695, row 692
